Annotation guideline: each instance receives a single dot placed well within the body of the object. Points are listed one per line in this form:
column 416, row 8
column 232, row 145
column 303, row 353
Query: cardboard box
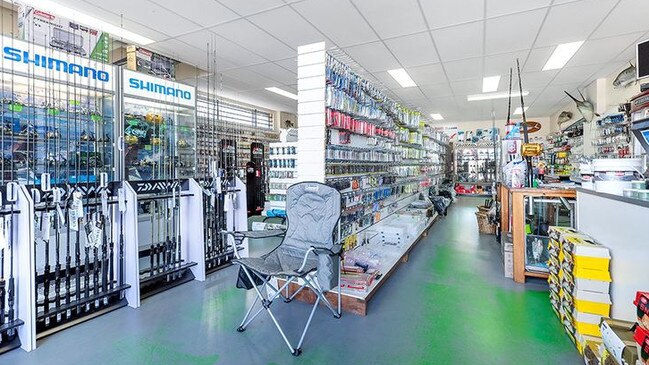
column 642, row 303
column 618, row 339
column 62, row 34
column 148, row 62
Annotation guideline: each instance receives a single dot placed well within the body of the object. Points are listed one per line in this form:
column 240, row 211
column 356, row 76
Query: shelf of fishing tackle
column 613, row 137
column 354, row 138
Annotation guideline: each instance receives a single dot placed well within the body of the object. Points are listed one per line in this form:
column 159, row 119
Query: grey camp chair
column 307, row 255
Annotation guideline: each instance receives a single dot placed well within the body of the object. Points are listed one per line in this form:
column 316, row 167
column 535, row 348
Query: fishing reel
column 52, row 133
column 29, row 131
column 154, row 118
column 130, row 139
column 183, row 143
column 87, row 136
column 156, row 141
column 7, row 130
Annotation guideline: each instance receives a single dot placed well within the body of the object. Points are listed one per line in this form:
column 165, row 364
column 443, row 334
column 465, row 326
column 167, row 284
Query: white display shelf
column 389, row 264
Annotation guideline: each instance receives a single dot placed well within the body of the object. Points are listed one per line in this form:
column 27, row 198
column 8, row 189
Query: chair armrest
column 256, row 234
column 336, row 250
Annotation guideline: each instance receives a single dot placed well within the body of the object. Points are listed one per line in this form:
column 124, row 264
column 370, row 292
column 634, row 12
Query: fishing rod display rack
column 169, row 251
column 217, row 218
column 10, row 323
column 79, row 266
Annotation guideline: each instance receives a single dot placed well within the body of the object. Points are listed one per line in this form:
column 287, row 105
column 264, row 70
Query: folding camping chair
column 307, row 255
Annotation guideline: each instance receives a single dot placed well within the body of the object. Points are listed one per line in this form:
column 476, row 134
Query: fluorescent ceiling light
column 491, row 96
column 281, row 92
column 519, row 111
column 561, row 55
column 402, row 77
column 85, row 19
column 437, row 116
column 490, row 84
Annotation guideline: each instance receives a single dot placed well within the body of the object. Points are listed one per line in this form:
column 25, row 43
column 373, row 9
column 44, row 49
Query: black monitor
column 642, row 59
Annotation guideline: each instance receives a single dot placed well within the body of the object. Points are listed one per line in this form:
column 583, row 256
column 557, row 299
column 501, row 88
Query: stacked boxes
column 579, row 282
column 641, row 334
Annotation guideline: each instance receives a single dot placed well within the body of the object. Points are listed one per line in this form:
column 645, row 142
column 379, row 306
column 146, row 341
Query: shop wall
column 8, row 19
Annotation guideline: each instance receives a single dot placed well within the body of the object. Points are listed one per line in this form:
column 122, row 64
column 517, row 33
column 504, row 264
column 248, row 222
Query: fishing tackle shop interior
column 324, row 182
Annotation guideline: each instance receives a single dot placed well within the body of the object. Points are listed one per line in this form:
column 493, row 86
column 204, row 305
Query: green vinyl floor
column 450, row 304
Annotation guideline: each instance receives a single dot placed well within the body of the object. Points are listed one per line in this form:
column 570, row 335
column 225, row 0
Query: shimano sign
column 136, row 83
column 40, row 62
column 161, row 90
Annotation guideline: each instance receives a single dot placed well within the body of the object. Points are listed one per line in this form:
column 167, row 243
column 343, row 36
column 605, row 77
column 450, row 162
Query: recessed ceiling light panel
column 561, row 55
column 402, row 77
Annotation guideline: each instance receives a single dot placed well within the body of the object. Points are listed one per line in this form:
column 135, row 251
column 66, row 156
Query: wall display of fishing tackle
column 475, row 167
column 613, row 138
column 159, row 128
column 374, row 149
column 282, row 173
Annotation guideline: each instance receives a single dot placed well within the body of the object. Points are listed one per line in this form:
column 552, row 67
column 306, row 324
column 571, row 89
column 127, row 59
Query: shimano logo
column 159, row 89
column 17, row 55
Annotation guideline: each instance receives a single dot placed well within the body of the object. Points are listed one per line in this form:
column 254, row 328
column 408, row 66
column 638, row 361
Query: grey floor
column 450, row 304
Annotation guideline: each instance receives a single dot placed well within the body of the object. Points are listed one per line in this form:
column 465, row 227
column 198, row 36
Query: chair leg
column 308, row 323
column 318, row 291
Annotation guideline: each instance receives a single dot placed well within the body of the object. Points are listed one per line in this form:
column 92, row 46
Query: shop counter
column 622, row 225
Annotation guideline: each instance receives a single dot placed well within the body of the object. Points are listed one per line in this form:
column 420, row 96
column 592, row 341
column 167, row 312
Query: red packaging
column 642, row 303
column 641, row 336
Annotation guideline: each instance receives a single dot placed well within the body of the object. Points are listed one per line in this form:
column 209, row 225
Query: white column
column 311, row 62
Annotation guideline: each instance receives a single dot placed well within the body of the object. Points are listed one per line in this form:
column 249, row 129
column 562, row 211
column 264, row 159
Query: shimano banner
column 149, row 87
column 50, row 64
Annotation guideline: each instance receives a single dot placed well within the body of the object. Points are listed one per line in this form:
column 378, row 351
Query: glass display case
column 159, row 128
column 55, row 121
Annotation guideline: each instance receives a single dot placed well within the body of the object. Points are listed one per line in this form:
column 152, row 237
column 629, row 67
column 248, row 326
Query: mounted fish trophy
column 626, row 77
column 585, row 107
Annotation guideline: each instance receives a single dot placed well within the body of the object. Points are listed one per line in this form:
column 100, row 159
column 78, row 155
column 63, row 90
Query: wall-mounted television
column 642, row 59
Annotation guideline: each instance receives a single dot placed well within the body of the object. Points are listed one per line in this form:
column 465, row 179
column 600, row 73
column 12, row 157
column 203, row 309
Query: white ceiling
column 446, row 46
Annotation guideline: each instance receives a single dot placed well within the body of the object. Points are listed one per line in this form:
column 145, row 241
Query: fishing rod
column 526, row 137
column 12, row 197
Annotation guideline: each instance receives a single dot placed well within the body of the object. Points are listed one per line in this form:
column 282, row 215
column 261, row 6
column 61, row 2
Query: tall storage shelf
column 475, row 167
column 282, row 172
column 379, row 155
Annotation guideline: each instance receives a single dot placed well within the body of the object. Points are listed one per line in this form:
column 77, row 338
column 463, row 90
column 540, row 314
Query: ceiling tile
column 428, row 74
column 372, row 56
column 274, row 72
column 562, row 25
column 628, row 16
column 534, row 80
column 211, row 12
column 445, row 13
column 247, row 76
column 467, row 87
column 289, row 64
column 285, row 24
column 248, row 7
column 437, row 90
column 249, row 36
column 464, row 69
column 338, row 20
column 500, row 38
column 500, row 64
column 404, row 16
column 504, row 7
column 602, row 50
column 462, row 41
column 409, row 93
column 569, row 75
column 413, row 50
column 384, row 78
column 537, row 59
column 225, row 49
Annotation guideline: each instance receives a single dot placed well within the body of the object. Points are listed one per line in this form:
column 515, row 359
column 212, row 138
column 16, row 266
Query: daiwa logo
column 154, row 186
column 138, row 84
column 18, row 55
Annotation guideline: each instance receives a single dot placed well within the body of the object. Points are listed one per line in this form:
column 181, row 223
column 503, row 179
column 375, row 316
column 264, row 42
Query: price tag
column 121, row 198
column 60, row 214
column 104, row 203
column 45, row 226
column 3, row 234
